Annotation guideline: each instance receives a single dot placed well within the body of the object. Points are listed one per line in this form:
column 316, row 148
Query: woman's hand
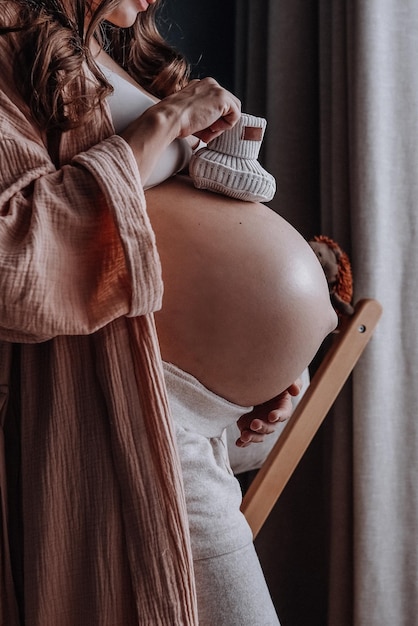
column 264, row 418
column 203, row 108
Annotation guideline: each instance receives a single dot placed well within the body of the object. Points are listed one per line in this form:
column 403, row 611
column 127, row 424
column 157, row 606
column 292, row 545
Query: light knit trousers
column 231, row 589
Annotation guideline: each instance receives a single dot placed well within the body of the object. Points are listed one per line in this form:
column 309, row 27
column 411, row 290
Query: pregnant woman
column 100, row 522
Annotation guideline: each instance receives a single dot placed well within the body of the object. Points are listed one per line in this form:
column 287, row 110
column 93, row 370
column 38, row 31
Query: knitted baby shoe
column 229, row 165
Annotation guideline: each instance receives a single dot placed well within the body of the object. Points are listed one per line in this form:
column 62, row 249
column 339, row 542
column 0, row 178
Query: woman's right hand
column 203, row 109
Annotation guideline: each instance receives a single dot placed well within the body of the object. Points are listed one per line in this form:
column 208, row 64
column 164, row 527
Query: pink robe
column 93, row 526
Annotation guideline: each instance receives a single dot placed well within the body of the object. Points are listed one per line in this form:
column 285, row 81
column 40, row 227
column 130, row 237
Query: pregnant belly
column 246, row 303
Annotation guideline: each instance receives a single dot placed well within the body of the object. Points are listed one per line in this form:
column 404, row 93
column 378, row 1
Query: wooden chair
column 347, row 347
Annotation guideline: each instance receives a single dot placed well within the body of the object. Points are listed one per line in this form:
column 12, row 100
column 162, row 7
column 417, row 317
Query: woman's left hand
column 264, row 418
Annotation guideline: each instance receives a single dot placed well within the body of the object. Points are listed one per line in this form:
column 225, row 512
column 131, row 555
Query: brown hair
column 53, row 46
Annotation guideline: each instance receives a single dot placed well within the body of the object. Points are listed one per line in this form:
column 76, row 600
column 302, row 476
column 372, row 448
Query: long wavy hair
column 53, row 45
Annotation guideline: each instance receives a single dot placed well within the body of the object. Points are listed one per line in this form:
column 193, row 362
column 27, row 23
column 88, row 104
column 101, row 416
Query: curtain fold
column 384, row 220
column 267, row 52
column 338, row 83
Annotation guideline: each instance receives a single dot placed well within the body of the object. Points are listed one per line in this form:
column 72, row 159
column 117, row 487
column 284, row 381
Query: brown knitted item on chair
column 341, row 287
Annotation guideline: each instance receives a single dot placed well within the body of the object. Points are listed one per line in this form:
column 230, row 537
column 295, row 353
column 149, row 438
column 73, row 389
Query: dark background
column 205, row 32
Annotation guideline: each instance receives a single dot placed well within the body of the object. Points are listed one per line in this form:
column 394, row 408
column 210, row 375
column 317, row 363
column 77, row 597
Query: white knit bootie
column 229, row 165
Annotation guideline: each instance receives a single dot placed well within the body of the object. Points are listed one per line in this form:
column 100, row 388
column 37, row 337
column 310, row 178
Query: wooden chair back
column 347, row 347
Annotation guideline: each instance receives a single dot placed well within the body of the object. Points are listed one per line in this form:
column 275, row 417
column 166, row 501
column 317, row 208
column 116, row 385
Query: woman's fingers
column 264, row 418
column 204, row 109
column 217, row 128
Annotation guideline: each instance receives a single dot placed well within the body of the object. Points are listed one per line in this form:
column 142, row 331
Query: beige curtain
column 338, row 83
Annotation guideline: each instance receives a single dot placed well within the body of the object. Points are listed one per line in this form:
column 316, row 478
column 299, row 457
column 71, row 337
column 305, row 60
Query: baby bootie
column 229, row 165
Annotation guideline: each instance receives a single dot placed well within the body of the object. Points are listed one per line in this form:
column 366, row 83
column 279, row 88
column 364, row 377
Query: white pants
column 231, row 590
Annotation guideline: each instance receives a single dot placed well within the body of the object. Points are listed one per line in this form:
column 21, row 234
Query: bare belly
column 246, row 303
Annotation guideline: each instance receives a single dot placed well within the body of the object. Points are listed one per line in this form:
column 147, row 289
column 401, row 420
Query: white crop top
column 128, row 102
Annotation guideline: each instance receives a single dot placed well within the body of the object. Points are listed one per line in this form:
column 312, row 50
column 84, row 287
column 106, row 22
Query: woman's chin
column 126, row 13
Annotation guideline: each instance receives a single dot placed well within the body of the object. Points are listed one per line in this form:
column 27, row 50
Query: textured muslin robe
column 93, row 526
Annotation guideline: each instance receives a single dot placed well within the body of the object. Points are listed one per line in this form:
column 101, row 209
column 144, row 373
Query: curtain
column 337, row 81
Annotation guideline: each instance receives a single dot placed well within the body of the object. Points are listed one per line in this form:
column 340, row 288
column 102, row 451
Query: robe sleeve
column 76, row 246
